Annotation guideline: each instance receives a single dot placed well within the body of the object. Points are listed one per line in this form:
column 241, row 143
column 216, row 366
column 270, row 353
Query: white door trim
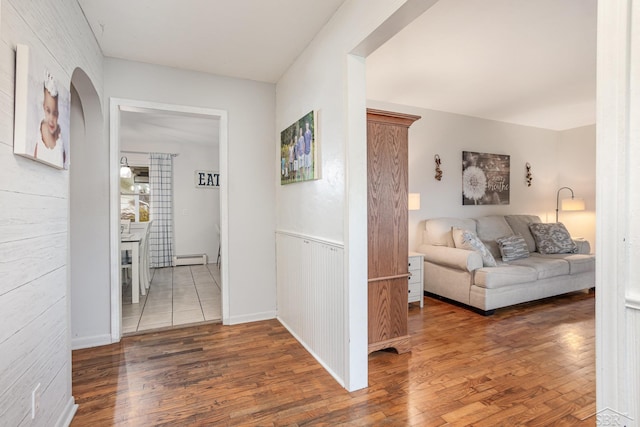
column 117, row 105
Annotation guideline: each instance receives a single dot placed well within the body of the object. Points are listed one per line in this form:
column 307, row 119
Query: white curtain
column 161, row 183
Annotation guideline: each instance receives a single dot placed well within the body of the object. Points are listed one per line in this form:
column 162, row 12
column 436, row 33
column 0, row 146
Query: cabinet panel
column 387, row 200
column 387, row 310
column 388, row 272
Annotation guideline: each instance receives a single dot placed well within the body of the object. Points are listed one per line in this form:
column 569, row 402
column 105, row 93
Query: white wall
column 576, row 169
column 88, row 223
column 34, row 249
column 552, row 156
column 325, row 77
column 618, row 207
column 196, row 210
column 250, row 107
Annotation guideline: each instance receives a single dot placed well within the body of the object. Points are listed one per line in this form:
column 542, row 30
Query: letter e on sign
column 207, row 179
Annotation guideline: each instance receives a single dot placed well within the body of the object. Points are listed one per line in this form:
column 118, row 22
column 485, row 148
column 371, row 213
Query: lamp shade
column 573, row 204
column 125, row 170
column 414, row 201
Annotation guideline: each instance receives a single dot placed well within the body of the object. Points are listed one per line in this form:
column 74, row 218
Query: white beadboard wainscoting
column 311, row 297
column 633, row 332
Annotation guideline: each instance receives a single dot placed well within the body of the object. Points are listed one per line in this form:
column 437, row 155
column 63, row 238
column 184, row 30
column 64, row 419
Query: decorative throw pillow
column 553, row 238
column 465, row 239
column 513, row 247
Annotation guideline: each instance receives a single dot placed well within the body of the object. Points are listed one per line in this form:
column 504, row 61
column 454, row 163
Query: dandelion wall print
column 485, row 178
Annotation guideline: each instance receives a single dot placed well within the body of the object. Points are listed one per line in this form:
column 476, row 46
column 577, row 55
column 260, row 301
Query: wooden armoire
column 387, row 196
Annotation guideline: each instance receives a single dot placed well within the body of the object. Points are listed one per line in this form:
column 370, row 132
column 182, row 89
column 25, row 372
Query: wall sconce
column 438, row 170
column 528, row 177
column 414, row 201
column 572, row 204
column 125, row 170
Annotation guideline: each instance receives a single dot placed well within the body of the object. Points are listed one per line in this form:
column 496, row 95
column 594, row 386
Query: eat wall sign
column 207, row 179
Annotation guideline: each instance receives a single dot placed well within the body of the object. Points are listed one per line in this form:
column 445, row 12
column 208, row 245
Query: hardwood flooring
column 532, row 365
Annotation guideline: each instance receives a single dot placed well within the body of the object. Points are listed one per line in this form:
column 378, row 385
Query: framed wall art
column 485, row 178
column 299, row 150
column 42, row 111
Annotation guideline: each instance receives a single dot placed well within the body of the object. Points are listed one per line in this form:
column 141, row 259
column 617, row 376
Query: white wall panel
column 311, row 299
column 34, row 251
column 25, row 216
column 633, row 340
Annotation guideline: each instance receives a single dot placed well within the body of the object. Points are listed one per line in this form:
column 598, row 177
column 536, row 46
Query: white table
column 131, row 242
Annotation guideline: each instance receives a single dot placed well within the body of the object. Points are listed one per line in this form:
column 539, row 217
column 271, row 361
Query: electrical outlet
column 35, row 401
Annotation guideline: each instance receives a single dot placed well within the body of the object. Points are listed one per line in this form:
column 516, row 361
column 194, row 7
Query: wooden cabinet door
column 387, row 163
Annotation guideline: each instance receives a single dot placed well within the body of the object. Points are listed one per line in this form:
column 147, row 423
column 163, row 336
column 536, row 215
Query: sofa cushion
column 578, row 263
column 465, row 239
column 520, row 225
column 504, row 275
column 512, row 247
column 437, row 231
column 552, row 238
column 546, row 267
column 490, row 228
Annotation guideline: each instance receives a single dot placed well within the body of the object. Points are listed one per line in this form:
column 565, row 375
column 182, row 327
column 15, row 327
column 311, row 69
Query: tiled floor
column 177, row 296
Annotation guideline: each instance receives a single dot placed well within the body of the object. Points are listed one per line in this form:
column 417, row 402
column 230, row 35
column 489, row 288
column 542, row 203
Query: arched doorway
column 88, row 219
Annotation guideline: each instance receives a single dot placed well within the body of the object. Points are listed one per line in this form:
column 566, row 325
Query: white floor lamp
column 572, row 204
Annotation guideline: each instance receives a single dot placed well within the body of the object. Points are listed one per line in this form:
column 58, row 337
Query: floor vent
column 190, row 259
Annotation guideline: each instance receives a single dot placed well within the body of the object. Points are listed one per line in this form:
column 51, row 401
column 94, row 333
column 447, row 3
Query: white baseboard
column 67, row 415
column 88, row 342
column 254, row 317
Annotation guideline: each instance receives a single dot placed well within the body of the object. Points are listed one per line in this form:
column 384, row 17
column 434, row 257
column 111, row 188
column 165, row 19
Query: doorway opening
column 121, row 110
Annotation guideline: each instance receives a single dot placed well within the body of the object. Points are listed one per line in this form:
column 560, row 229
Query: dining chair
column 125, row 261
column 219, row 244
column 145, row 270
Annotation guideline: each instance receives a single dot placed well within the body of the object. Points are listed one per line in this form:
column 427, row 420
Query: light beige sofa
column 459, row 275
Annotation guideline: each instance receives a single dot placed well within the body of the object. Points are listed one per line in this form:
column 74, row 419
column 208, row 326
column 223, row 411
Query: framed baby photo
column 42, row 111
column 299, row 150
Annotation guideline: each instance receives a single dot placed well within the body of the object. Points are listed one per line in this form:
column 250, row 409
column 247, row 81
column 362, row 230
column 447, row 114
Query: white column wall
column 618, row 207
column 34, row 233
column 326, row 78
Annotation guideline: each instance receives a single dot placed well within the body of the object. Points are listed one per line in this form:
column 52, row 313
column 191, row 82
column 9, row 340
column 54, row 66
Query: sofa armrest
column 583, row 246
column 460, row 259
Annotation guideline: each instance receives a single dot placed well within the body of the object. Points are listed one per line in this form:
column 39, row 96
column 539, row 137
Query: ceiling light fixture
column 125, row 170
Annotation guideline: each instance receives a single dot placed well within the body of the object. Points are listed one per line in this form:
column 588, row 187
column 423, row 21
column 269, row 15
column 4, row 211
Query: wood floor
column 532, row 365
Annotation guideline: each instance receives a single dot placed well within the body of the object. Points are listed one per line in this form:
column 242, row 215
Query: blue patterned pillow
column 513, row 247
column 553, row 238
column 465, row 239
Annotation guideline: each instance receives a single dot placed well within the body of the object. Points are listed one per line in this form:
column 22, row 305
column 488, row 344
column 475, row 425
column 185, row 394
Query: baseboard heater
column 190, row 259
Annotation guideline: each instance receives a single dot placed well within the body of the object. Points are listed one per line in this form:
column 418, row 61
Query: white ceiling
column 153, row 126
column 249, row 39
column 529, row 62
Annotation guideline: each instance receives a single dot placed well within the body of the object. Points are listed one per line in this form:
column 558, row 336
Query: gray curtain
column 161, row 183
